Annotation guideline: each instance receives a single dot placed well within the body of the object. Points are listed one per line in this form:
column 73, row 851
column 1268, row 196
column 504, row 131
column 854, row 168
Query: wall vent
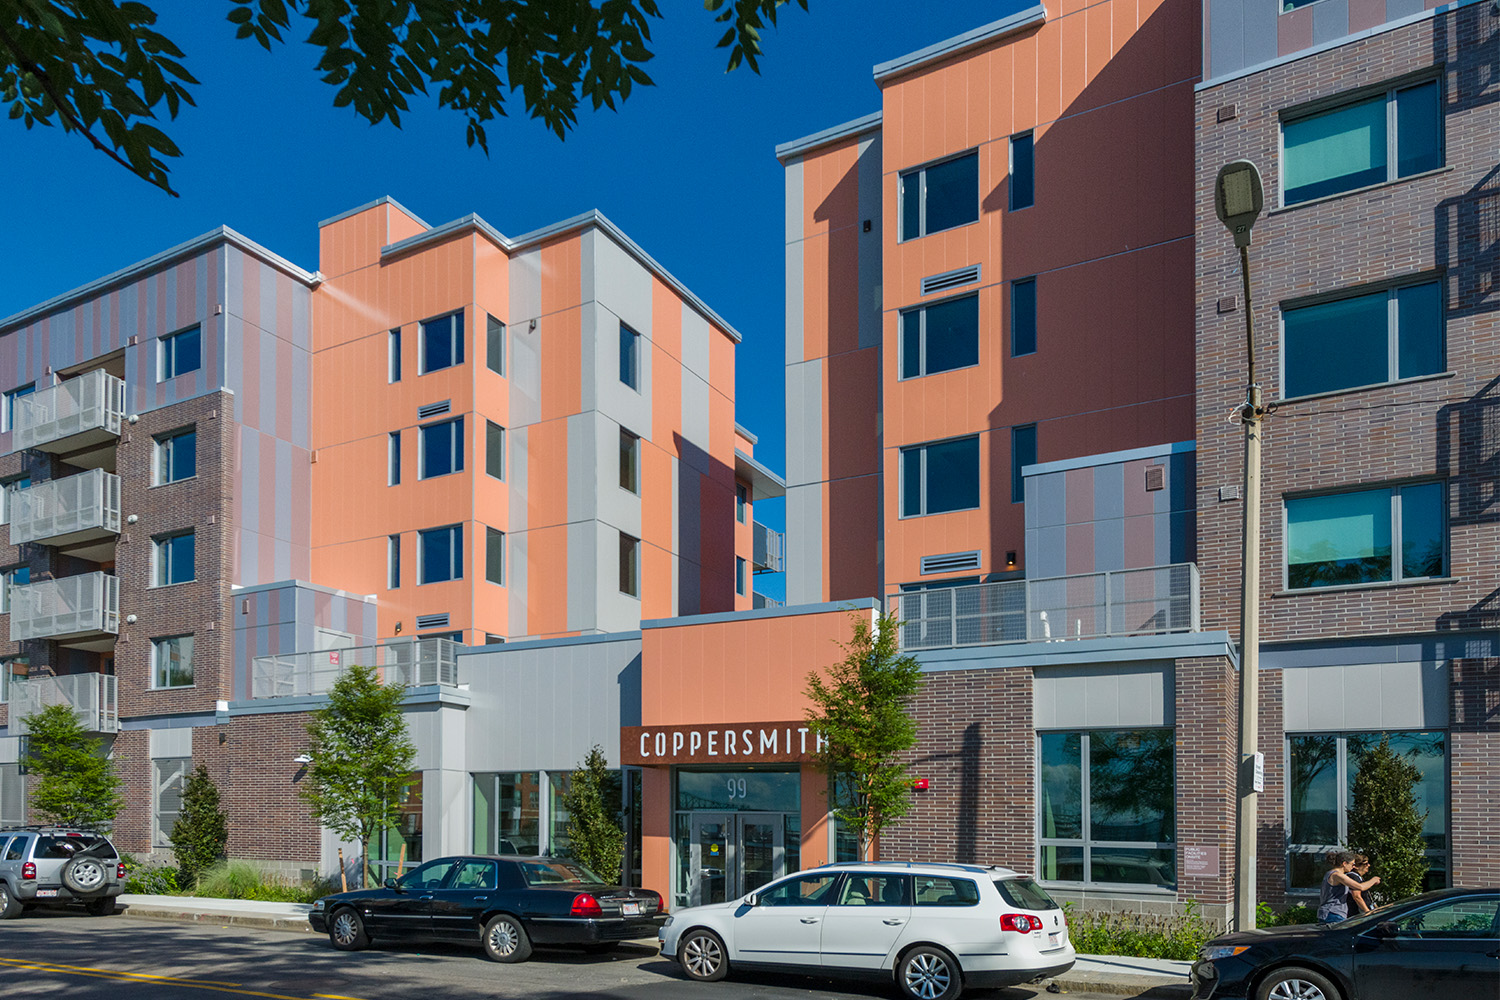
column 1156, row 477
column 1229, row 493
column 949, row 562
column 950, row 279
column 433, row 409
column 433, row 621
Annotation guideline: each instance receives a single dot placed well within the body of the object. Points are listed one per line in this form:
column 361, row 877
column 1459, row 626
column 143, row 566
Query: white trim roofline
column 1019, row 21
column 868, row 123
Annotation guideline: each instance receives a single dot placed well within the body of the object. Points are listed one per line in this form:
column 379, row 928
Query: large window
column 1369, row 536
column 1022, row 454
column 174, row 559
column 8, row 490
column 630, row 461
column 494, row 555
column 15, row 576
column 168, row 775
column 179, row 353
column 442, row 342
column 1023, row 317
column 630, row 565
column 940, row 196
column 441, row 448
column 172, row 662
column 13, row 671
column 440, row 554
column 1320, row 773
column 494, row 450
column 494, row 345
column 1363, row 340
column 176, row 456
column 1381, row 138
column 630, row 357
column 507, row 813
column 940, row 477
column 1107, row 810
column 8, row 411
column 940, row 337
column 1022, row 171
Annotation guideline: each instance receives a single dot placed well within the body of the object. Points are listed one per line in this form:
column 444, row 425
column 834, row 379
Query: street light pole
column 1238, row 198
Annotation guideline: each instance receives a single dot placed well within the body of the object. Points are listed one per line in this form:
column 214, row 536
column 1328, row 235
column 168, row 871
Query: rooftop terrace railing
column 409, row 662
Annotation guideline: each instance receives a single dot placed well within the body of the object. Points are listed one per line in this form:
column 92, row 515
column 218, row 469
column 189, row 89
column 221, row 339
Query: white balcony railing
column 82, row 411
column 67, row 608
column 62, row 511
column 409, row 662
column 93, row 698
column 1087, row 606
column 769, row 552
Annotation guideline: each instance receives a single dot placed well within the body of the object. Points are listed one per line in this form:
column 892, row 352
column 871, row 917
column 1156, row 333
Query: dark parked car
column 1444, row 943
column 503, row 904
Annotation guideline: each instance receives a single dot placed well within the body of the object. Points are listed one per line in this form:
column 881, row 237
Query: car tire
column 101, row 907
column 346, row 930
column 10, row 906
column 505, row 940
column 1294, row 983
column 85, row 876
column 702, row 956
column 928, row 973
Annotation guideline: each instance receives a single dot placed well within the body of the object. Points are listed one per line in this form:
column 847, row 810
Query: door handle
column 809, row 920
column 481, row 897
column 424, row 897
column 894, row 921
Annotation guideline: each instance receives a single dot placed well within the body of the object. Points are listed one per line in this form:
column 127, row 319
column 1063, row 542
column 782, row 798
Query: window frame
column 741, row 502
column 630, row 356
column 393, row 562
column 7, row 487
column 901, row 454
column 1398, row 577
column 163, row 451
column 494, row 539
column 8, row 404
column 494, row 450
column 1017, row 479
column 1013, row 312
column 455, row 322
column 739, row 576
column 455, row 449
column 7, row 675
column 920, row 311
column 162, row 559
column 630, row 462
column 161, row 836
column 393, row 459
column 167, row 349
column 632, row 545
column 921, row 171
column 494, row 344
column 157, row 649
column 1392, row 291
column 393, row 357
column 1012, row 203
column 7, row 580
column 455, row 553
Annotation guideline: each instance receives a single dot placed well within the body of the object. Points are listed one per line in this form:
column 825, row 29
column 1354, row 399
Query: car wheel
column 505, row 940
column 84, row 876
column 10, row 907
column 929, row 974
column 1297, row 984
column 346, row 931
column 101, row 907
column 701, row 954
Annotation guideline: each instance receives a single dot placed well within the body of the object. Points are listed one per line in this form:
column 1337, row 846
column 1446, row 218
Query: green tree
column 362, row 758
column 1385, row 824
column 861, row 715
column 99, row 67
column 200, row 836
column 593, row 804
column 77, row 784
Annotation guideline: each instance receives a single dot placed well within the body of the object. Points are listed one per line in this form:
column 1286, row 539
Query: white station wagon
column 934, row 928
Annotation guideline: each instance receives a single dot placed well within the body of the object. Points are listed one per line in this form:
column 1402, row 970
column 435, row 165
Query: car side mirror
column 753, row 899
column 391, row 883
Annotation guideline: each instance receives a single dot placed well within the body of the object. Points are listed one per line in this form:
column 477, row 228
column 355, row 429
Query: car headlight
column 318, row 905
column 668, row 922
column 1215, row 952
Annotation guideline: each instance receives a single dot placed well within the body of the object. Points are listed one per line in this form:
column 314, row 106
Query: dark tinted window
column 65, row 847
column 476, row 875
column 1025, row 893
column 953, row 193
column 1021, row 171
column 16, row 850
column 1023, row 317
column 940, row 338
column 429, row 876
column 558, row 873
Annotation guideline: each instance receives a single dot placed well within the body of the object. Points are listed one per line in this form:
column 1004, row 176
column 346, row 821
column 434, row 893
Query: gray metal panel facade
column 1365, row 696
column 794, row 280
column 1104, row 696
column 805, row 483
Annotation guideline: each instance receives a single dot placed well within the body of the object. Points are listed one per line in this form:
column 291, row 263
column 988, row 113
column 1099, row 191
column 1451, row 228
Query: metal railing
column 92, row 402
column 768, row 554
column 762, row 601
column 409, row 662
column 94, row 698
column 1086, row 606
column 66, row 607
column 72, row 508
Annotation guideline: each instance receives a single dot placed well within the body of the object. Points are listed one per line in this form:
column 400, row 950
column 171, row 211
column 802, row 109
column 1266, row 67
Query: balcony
column 79, row 611
column 70, row 513
column 1150, row 601
column 769, row 554
column 409, row 662
column 93, row 698
column 758, row 600
column 79, row 418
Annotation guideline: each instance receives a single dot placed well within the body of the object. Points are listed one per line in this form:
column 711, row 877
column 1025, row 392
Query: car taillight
column 28, row 870
column 661, row 902
column 1020, row 923
column 120, row 870
column 585, row 905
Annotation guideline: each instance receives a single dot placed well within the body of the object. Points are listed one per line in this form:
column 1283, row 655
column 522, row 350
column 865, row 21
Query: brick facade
column 1474, row 760
column 1207, row 705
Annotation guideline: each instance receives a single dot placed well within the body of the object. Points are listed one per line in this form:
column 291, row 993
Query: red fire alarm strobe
column 919, row 783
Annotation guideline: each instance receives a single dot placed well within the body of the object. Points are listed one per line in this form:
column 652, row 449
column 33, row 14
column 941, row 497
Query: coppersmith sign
column 739, row 743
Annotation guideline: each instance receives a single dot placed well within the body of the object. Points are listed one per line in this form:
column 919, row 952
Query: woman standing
column 1333, row 900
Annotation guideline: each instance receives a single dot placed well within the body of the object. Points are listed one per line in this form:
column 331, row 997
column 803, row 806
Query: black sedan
column 503, row 904
column 1444, row 943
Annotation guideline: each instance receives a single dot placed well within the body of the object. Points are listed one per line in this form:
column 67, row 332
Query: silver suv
column 45, row 864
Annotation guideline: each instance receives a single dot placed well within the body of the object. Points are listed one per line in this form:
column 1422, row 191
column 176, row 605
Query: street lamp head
column 1238, row 199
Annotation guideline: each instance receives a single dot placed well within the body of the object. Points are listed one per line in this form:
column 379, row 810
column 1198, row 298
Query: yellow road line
column 121, row 976
column 23, row 963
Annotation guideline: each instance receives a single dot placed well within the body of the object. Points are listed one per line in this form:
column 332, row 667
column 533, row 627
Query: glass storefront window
column 559, row 844
column 739, row 791
column 398, row 848
column 507, row 813
column 734, row 831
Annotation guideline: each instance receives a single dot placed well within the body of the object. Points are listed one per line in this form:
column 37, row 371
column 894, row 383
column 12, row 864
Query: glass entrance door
column 734, row 853
column 708, row 874
column 760, row 851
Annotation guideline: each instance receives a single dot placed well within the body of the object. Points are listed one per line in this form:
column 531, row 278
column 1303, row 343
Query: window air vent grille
column 950, row 279
column 1156, row 477
column 948, row 562
column 433, row 409
column 433, row 621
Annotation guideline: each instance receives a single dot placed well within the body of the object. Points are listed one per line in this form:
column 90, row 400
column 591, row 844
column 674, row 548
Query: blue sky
column 687, row 168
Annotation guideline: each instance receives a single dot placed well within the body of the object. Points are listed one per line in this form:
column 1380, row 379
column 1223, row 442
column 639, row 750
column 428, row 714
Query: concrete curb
column 263, row 921
column 1145, row 987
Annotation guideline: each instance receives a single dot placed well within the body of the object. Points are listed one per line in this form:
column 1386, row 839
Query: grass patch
column 247, row 880
column 1140, row 935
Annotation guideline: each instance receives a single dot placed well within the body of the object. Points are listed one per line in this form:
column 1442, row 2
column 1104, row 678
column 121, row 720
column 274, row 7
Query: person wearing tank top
column 1333, row 899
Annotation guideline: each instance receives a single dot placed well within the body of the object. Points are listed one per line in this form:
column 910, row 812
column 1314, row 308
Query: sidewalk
column 1132, row 977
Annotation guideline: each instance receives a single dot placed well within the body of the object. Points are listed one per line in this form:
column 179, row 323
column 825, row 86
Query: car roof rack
column 51, row 828
column 956, row 865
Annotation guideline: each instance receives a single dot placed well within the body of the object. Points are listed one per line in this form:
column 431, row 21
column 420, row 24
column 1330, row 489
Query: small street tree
column 200, row 836
column 593, row 804
column 1385, row 824
column 362, row 758
column 77, row 784
column 861, row 716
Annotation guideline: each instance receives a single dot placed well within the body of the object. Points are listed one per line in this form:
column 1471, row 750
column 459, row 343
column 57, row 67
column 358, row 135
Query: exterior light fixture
column 302, row 758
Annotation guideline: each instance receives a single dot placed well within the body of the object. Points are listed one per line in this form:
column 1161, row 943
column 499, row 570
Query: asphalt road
column 70, row 956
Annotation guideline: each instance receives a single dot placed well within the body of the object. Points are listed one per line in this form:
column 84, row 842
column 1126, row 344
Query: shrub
column 150, row 880
column 247, row 880
column 1385, row 824
column 1297, row 913
column 201, row 832
column 1140, row 935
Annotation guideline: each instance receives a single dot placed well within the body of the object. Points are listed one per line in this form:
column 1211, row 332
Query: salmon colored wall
column 656, row 830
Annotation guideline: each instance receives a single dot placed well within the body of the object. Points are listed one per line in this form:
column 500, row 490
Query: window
column 179, row 353
column 176, row 456
column 174, row 559
column 1023, row 317
column 1106, row 809
column 168, row 775
column 1379, row 139
column 1022, row 454
column 172, row 662
column 7, row 491
column 507, row 812
column 1469, row 919
column 630, row 461
column 494, row 556
column 1022, row 171
column 393, row 459
column 877, row 890
column 1369, row 536
column 16, row 576
column 393, row 562
column 494, row 450
column 630, row 357
column 630, row 565
column 1320, row 773
column 739, row 575
column 13, row 671
column 8, row 413
column 804, row 890
column 940, row 196
column 941, row 477
column 393, row 356
column 441, row 447
column 12, row 803
column 741, row 502
column 494, row 345
column 1363, row 340
column 940, row 337
column 946, row 891
column 442, row 342
column 440, row 554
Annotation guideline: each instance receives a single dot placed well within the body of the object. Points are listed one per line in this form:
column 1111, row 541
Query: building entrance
column 735, row 831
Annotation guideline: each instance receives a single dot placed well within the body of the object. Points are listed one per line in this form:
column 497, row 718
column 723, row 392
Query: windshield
column 1025, row 893
column 65, row 847
column 558, row 873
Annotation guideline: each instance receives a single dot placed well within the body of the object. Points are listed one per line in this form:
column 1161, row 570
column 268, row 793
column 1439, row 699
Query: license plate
column 630, row 909
column 1055, row 939
column 44, row 893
